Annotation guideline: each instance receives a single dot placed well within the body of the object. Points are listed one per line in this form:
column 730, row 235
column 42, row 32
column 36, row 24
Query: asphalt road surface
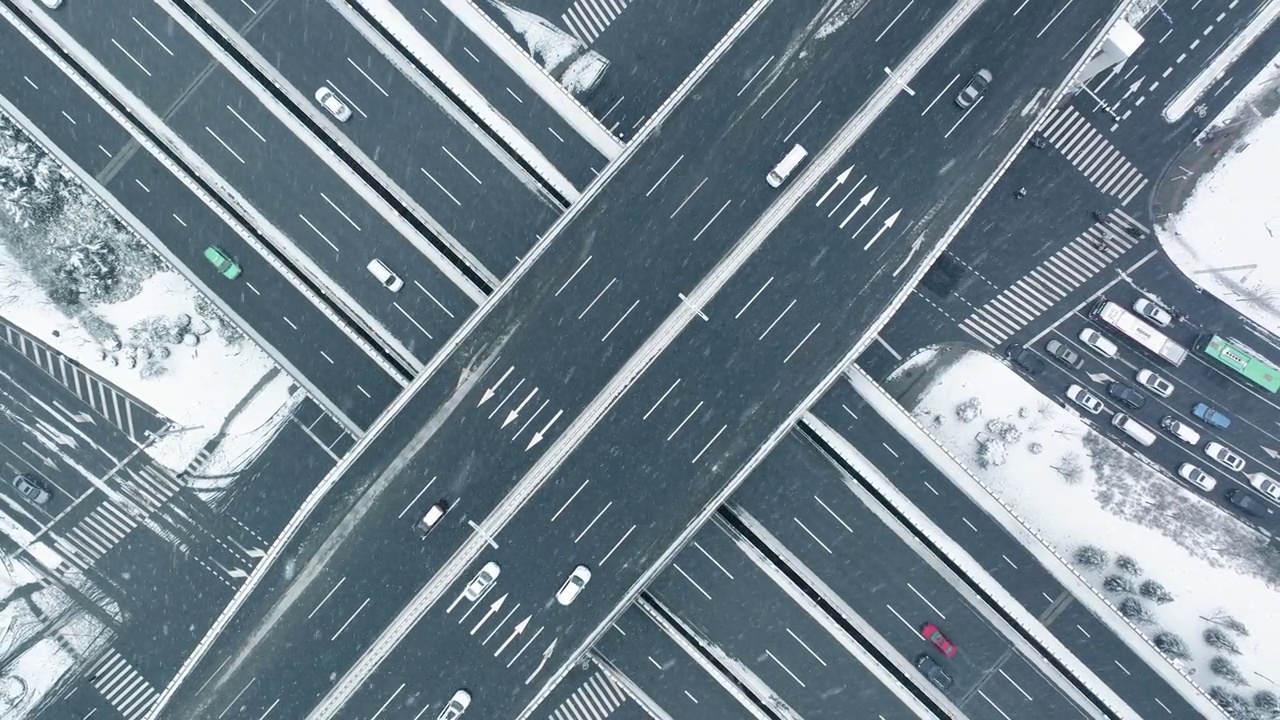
column 277, row 172
column 1091, row 641
column 293, row 329
column 587, row 293
column 816, row 515
column 475, row 194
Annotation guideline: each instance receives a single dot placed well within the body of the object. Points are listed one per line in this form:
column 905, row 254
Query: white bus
column 1142, row 333
column 786, row 166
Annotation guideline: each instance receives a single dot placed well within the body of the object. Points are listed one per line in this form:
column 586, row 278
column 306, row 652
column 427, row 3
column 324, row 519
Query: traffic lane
column 323, row 215
column 317, row 348
column 506, row 91
column 681, row 685
column 140, row 44
column 1001, row 555
column 729, row 602
column 804, row 500
column 615, row 210
column 489, row 205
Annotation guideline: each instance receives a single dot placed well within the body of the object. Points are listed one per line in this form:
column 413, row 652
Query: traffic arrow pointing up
column 518, row 629
column 839, row 181
column 511, row 416
column 491, row 391
column 914, row 247
column 1134, row 87
column 1100, row 377
column 497, row 604
column 862, row 202
column 888, row 223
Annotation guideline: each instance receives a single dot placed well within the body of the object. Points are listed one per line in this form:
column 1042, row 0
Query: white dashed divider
column 322, row 489
column 1062, row 570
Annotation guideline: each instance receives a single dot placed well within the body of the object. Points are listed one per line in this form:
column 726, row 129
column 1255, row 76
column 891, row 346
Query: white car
column 1152, row 312
column 1197, row 477
column 1085, row 399
column 457, row 705
column 577, row 580
column 51, row 4
column 1180, row 430
column 482, row 581
column 389, row 280
column 1269, row 488
column 330, row 101
column 1154, row 383
column 1224, row 455
column 431, row 518
column 1095, row 340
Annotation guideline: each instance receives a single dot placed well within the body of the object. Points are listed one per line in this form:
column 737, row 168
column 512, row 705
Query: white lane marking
column 685, row 420
column 571, row 497
column 664, row 397
column 926, row 601
column 805, row 645
column 366, row 77
column 691, row 580
column 326, row 597
column 574, row 275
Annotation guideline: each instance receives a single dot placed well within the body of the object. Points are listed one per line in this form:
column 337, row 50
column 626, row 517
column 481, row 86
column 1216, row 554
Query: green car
column 224, row 264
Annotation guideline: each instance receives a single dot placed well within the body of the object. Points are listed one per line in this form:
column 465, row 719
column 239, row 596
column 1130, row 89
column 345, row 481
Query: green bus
column 1241, row 360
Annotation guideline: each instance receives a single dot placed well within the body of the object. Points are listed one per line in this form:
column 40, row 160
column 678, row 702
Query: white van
column 388, row 279
column 786, row 166
column 1134, row 429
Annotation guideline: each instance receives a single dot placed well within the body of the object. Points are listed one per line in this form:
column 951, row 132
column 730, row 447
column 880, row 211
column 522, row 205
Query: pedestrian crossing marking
column 1053, row 279
column 595, row 699
column 122, row 686
column 1092, row 154
column 587, row 19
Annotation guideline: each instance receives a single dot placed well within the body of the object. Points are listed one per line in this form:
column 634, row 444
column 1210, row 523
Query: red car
column 935, row 636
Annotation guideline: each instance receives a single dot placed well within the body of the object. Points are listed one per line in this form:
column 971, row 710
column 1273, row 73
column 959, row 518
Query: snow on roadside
column 552, row 48
column 1077, row 488
column 1225, row 236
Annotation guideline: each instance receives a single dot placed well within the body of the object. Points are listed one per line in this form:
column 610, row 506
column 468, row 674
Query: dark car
column 1127, row 394
column 1069, row 357
column 1025, row 358
column 1247, row 503
column 934, row 673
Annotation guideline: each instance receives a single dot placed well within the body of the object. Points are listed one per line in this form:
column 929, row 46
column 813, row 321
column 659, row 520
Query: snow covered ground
column 1175, row 564
column 1226, row 236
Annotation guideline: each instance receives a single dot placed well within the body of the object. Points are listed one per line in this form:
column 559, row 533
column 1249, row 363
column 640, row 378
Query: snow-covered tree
column 1007, row 432
column 1128, row 565
column 1224, row 668
column 1135, row 611
column 33, row 186
column 1155, row 592
column 969, row 410
column 1265, row 702
column 992, row 452
column 1232, row 703
column 1117, row 584
column 1218, row 639
column 1090, row 556
column 1171, row 645
column 1070, row 469
column 1229, row 623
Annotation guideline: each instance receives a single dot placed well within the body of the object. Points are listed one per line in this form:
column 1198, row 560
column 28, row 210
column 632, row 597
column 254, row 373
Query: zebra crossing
column 1092, row 154
column 587, row 19
column 1067, row 269
column 106, row 525
column 596, row 699
column 122, row 686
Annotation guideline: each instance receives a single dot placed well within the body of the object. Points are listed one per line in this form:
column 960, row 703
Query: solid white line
column 802, row 342
column 833, row 513
column 388, row 702
column 131, row 57
column 602, row 292
column 593, row 521
column 228, row 147
column 624, row 317
column 753, row 77
column 442, row 188
column 574, row 275
column 753, row 298
column 335, row 207
column 926, row 601
column 464, row 167
column 784, row 667
column 1011, row 682
column 246, row 123
column 609, row 554
column 322, row 235
column 894, row 21
column 806, row 647
column 664, row 176
column 775, row 320
column 688, row 198
column 348, row 622
column 704, row 447
column 685, row 420
column 691, row 580
column 815, row 537
column 712, row 559
column 415, row 322
column 713, row 219
column 571, row 497
column 151, row 35
column 366, row 77
column 775, row 102
column 415, row 497
column 664, row 397
column 997, row 707
column 797, row 127
column 433, row 298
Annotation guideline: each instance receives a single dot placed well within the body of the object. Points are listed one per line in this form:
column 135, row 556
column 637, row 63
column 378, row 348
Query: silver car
column 972, row 91
column 29, row 488
column 330, row 101
column 457, row 705
column 482, row 581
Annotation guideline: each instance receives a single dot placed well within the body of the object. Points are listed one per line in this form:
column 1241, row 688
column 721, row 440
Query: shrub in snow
column 1227, row 670
column 1005, row 430
column 1218, row 639
column 969, row 410
column 1118, row 584
column 991, row 452
column 1265, row 702
column 1024, row 413
column 1172, row 645
column 1128, row 565
column 1229, row 623
column 1071, row 470
column 1090, row 556
column 153, row 369
column 1135, row 611
column 1035, row 448
column 1233, row 704
column 160, row 352
column 1154, row 591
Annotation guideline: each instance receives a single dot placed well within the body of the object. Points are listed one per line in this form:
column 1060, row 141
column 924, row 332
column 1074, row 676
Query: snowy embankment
column 1224, row 236
column 1200, row 584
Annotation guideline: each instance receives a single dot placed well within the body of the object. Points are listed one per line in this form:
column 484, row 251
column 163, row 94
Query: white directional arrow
column 511, row 416
column 489, row 393
column 914, row 247
column 888, row 223
column 1134, row 87
column 518, row 629
column 545, row 654
column 82, row 417
column 497, row 605
column 1274, row 455
column 1101, row 378
column 862, row 202
column 537, row 437
column 839, row 181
